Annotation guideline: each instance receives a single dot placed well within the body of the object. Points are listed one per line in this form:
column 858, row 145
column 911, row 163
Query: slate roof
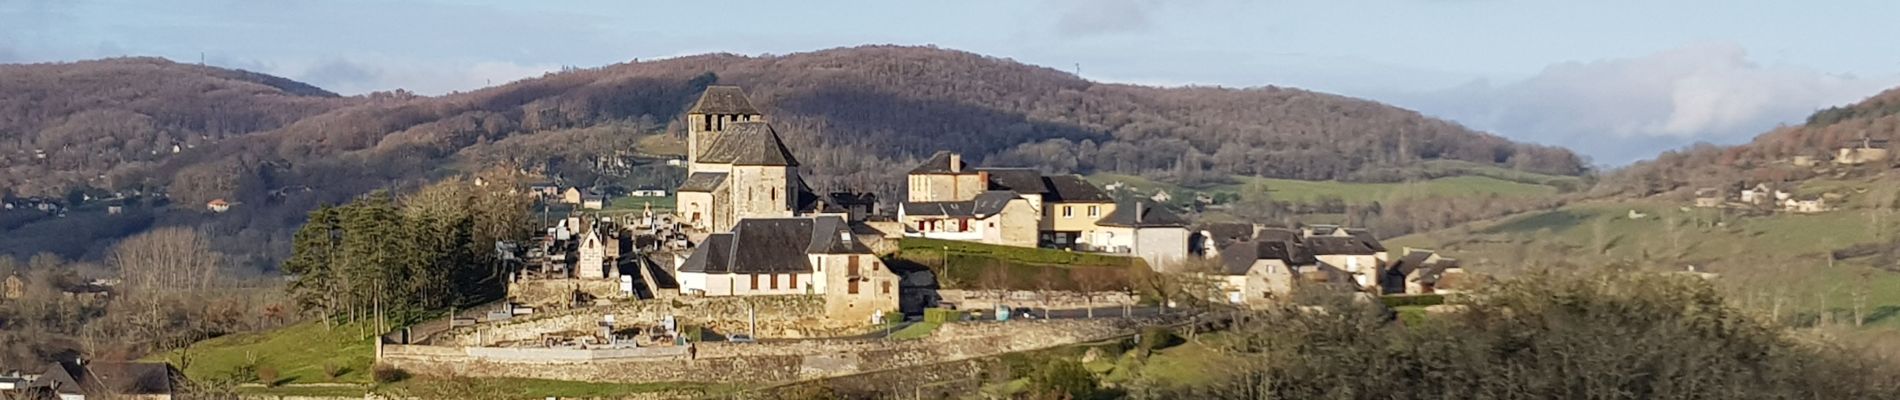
column 1341, row 245
column 771, row 246
column 853, row 199
column 1019, row 180
column 939, row 163
column 1366, row 237
column 984, row 205
column 1237, row 258
column 128, row 378
column 749, row 143
column 703, row 182
column 1072, row 188
column 723, row 100
column 1142, row 215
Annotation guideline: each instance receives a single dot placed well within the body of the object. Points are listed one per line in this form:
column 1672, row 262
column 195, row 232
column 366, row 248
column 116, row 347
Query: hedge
column 1413, row 300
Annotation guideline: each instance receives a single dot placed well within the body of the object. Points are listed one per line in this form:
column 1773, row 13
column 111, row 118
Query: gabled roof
column 703, row 182
column 749, row 143
column 1341, row 245
column 1239, row 257
column 939, row 163
column 1225, row 233
column 1072, row 188
column 771, row 246
column 984, row 205
column 126, row 378
column 1366, row 237
column 1019, row 180
column 1142, row 215
column 723, row 100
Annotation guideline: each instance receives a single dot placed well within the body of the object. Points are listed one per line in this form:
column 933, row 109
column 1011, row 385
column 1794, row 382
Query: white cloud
column 1620, row 110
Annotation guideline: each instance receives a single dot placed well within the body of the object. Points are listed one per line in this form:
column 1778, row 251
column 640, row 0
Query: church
column 738, row 167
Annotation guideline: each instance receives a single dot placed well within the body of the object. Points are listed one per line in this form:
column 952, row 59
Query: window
column 851, row 269
column 774, row 194
column 853, row 287
column 793, row 282
column 821, row 264
column 774, row 278
column 1094, row 211
column 887, row 287
column 755, row 282
column 1068, row 211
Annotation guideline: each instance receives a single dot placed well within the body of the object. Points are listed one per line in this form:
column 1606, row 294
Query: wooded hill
column 854, row 116
column 1769, row 156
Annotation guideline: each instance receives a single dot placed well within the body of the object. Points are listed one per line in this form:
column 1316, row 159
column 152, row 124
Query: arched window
column 774, row 194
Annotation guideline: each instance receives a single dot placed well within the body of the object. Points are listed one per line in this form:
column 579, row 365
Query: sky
column 1616, row 80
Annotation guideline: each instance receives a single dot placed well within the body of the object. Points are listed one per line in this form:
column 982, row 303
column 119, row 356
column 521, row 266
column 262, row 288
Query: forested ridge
column 856, row 117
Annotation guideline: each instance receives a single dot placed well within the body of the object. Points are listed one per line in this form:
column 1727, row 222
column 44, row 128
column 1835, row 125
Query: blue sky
column 1617, row 80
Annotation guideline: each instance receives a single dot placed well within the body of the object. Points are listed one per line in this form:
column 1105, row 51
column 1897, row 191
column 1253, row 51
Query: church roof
column 749, row 143
column 771, row 246
column 723, row 100
column 703, row 182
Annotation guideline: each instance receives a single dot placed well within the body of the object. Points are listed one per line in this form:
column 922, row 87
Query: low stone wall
column 986, row 299
column 770, row 362
column 777, row 316
column 536, row 355
column 552, row 294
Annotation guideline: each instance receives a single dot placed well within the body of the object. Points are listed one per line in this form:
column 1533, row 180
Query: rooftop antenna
column 1078, row 70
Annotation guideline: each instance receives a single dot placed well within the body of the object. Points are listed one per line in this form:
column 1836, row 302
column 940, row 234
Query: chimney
column 956, row 162
column 1140, row 210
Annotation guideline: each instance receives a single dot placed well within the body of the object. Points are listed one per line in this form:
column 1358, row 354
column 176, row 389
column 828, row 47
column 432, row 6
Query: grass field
column 1299, row 191
column 298, row 353
column 1781, row 260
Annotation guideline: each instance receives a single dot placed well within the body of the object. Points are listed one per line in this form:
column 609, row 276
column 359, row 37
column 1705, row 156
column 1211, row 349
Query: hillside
column 853, row 115
column 1768, row 157
column 68, row 125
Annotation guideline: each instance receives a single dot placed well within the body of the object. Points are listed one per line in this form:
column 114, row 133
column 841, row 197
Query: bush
column 1157, row 338
column 331, row 371
column 267, row 375
column 1064, row 378
column 942, row 316
column 387, row 374
column 1413, row 300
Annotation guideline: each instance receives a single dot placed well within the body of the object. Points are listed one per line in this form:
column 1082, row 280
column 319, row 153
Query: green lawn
column 918, row 330
column 962, row 265
column 298, row 353
column 630, row 203
column 513, row 388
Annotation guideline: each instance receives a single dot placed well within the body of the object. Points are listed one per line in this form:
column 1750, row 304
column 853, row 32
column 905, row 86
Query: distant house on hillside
column 1805, row 206
column 1762, row 194
column 218, row 205
column 1146, row 230
column 1708, row 198
column 1862, row 151
column 648, row 191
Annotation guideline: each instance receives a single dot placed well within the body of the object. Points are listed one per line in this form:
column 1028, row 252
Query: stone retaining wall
column 777, row 316
column 769, row 362
column 986, row 299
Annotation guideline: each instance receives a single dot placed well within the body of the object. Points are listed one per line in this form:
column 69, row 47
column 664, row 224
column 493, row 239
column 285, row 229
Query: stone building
column 793, row 256
column 1354, row 251
column 737, row 166
column 1862, row 151
column 1145, row 230
column 946, row 195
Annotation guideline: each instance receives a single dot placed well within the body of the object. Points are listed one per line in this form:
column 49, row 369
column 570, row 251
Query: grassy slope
column 1781, row 256
column 298, row 352
column 1351, row 192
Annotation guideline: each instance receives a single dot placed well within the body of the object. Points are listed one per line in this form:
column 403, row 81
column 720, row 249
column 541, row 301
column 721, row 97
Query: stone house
column 1354, row 251
column 1862, row 151
column 1805, row 206
column 793, row 256
column 996, row 217
column 1145, row 230
column 15, row 287
column 1421, row 271
column 1062, row 209
column 79, row 379
column 1256, row 273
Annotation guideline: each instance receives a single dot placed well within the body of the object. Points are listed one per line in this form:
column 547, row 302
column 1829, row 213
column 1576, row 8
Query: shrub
column 1157, row 338
column 1413, row 300
column 331, row 371
column 1064, row 378
column 942, row 316
column 387, row 374
column 267, row 375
